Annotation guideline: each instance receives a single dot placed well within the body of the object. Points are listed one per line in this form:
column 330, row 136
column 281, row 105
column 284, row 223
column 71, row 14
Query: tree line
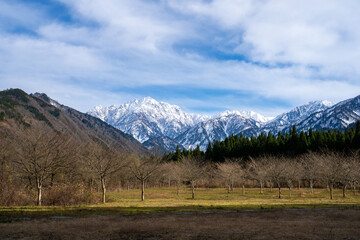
column 48, row 168
column 290, row 144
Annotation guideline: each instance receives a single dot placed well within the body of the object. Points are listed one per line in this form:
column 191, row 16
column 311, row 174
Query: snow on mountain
column 339, row 116
column 161, row 126
column 228, row 123
column 147, row 118
column 249, row 115
column 284, row 121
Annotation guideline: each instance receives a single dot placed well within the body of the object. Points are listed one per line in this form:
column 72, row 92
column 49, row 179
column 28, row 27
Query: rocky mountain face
column 19, row 111
column 339, row 116
column 284, row 121
column 161, row 126
column 147, row 118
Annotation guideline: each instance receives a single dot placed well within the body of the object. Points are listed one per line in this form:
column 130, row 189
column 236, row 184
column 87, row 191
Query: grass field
column 163, row 200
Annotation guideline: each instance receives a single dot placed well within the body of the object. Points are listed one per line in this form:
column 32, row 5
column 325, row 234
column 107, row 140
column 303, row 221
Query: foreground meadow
column 163, row 200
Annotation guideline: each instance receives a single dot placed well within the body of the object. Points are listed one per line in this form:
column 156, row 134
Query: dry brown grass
column 269, row 224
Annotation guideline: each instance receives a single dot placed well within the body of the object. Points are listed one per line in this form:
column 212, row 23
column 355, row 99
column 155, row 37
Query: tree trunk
column 299, row 184
column 243, row 189
column 52, row 179
column 311, row 183
column 119, row 185
column 91, row 185
column 279, row 189
column 103, row 189
column 289, row 191
column 344, row 190
column 331, row 191
column 228, row 188
column 232, row 185
column 192, row 190
column 271, row 186
column 261, row 186
column 142, row 190
column 39, row 188
column 178, row 189
column 354, row 188
column 169, row 182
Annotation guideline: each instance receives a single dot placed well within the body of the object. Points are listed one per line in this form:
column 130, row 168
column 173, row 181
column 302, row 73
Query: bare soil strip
column 267, row 224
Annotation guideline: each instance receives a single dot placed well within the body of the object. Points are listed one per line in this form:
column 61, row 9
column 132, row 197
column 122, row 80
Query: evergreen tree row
column 289, row 144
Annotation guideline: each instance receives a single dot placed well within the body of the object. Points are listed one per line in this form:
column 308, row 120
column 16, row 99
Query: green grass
column 161, row 200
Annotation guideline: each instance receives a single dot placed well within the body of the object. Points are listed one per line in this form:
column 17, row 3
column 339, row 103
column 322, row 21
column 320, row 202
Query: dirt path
column 271, row 224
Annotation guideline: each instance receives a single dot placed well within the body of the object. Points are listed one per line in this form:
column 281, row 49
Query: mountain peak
column 149, row 120
column 247, row 114
column 319, row 102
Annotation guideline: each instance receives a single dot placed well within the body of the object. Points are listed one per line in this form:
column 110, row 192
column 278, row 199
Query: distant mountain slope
column 285, row 121
column 147, row 118
column 218, row 128
column 153, row 122
column 339, row 116
column 160, row 145
column 19, row 110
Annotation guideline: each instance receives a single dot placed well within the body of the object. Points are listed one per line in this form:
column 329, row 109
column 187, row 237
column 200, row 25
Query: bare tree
column 259, row 170
column 174, row 172
column 311, row 167
column 276, row 170
column 242, row 175
column 40, row 155
column 102, row 161
column 6, row 172
column 299, row 173
column 143, row 168
column 330, row 168
column 345, row 173
column 354, row 174
column 228, row 172
column 290, row 173
column 192, row 171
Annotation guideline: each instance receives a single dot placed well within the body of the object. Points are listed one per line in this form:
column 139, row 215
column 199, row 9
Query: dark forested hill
column 20, row 111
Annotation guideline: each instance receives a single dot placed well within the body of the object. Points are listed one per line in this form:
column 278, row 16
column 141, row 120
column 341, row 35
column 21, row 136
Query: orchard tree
column 311, row 168
column 242, row 175
column 228, row 171
column 259, row 170
column 143, row 168
column 290, row 173
column 174, row 172
column 330, row 169
column 276, row 170
column 102, row 161
column 354, row 174
column 40, row 155
column 192, row 171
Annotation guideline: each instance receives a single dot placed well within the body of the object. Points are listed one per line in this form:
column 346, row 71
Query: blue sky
column 205, row 56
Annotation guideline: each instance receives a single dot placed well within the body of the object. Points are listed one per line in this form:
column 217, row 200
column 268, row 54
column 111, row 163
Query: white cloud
column 296, row 51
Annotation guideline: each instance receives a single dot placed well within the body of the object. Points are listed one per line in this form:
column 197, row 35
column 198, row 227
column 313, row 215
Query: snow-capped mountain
column 147, row 118
column 339, row 116
column 161, row 126
column 248, row 114
column 218, row 128
column 286, row 120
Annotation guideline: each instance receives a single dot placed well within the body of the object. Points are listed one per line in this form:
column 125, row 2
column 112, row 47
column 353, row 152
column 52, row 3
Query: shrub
column 68, row 194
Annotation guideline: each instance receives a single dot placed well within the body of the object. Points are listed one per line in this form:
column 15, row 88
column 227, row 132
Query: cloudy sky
column 205, row 56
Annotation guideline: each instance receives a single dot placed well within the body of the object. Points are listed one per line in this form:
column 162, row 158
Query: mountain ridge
column 204, row 129
column 20, row 110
